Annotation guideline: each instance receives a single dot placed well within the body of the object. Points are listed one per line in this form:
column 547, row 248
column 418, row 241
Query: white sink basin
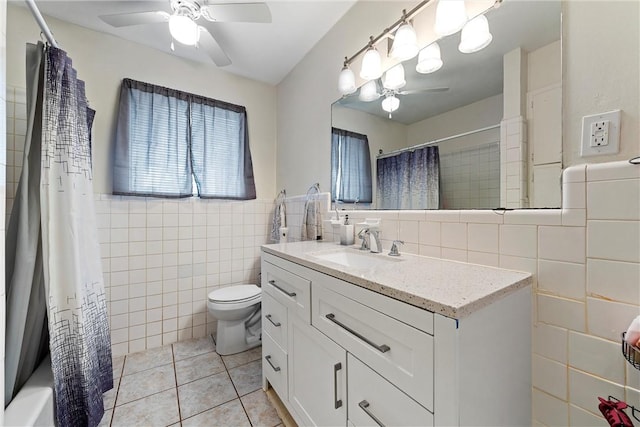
column 354, row 258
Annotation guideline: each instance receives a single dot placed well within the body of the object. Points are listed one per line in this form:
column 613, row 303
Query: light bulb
column 347, row 81
column 390, row 103
column 475, row 35
column 405, row 43
column 371, row 64
column 451, row 15
column 369, row 92
column 429, row 59
column 394, row 78
column 184, row 29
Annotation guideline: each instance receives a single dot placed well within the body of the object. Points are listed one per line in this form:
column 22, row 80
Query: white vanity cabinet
column 353, row 357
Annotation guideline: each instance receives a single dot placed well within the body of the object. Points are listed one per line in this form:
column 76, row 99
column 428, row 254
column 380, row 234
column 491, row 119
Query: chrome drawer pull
column 381, row 348
column 284, row 291
column 337, row 402
column 365, row 405
column 275, row 368
column 276, row 324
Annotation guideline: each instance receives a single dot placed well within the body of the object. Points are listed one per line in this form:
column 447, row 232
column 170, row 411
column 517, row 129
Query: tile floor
column 188, row 384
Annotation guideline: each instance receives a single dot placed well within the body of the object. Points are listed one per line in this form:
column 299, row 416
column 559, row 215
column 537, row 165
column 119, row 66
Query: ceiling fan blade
column 237, row 12
column 137, row 18
column 428, row 90
column 212, row 48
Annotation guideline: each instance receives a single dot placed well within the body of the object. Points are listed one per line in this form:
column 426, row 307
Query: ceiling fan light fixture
column 475, row 35
column 183, row 29
column 394, row 78
column 346, row 81
column 451, row 15
column 429, row 59
column 369, row 91
column 390, row 103
column 405, row 43
column 371, row 64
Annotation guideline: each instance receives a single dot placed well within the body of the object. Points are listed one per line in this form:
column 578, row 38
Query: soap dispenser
column 346, row 232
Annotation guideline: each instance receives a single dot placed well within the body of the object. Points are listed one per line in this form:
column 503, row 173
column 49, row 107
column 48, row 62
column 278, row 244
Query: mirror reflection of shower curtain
column 57, row 254
column 409, row 180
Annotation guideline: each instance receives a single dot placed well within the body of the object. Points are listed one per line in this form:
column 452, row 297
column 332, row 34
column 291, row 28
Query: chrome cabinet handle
column 276, row 324
column 381, row 348
column 274, row 367
column 284, row 291
column 337, row 402
column 364, row 405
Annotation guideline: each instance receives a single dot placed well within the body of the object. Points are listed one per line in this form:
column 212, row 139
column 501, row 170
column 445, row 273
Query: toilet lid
column 235, row 293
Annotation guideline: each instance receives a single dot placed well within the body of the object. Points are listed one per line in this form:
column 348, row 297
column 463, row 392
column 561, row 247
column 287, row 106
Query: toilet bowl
column 237, row 309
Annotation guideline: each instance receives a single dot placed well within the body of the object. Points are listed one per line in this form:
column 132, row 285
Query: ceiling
column 263, row 52
column 529, row 24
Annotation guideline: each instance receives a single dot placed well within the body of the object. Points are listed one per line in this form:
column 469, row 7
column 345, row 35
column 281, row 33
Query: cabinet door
column 317, row 377
column 374, row 401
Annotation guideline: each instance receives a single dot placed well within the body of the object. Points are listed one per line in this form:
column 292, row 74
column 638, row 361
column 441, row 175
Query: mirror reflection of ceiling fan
column 388, row 87
column 183, row 26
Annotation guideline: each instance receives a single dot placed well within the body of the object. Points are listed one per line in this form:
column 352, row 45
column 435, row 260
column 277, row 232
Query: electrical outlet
column 601, row 134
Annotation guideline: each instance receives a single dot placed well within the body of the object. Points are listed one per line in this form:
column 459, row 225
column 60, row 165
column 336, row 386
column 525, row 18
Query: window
column 167, row 139
column 350, row 167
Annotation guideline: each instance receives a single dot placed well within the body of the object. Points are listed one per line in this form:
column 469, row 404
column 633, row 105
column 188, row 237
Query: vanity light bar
column 389, row 30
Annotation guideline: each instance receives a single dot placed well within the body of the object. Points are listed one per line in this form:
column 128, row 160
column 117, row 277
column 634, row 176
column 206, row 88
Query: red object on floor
column 613, row 412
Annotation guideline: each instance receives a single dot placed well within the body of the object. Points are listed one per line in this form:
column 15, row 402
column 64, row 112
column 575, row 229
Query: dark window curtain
column 409, row 180
column 350, row 167
column 152, row 145
column 222, row 164
column 167, row 138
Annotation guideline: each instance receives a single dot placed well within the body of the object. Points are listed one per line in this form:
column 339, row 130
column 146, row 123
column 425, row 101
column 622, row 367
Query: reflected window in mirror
column 350, row 167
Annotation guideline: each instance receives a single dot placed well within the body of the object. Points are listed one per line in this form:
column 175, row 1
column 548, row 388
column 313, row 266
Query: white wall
column 480, row 114
column 103, row 61
column 600, row 71
column 545, row 66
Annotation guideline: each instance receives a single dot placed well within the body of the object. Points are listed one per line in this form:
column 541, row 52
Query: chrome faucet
column 365, row 235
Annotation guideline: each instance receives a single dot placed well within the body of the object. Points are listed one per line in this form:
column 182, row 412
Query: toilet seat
column 235, row 294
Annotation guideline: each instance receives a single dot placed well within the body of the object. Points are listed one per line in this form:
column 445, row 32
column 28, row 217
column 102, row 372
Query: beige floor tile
column 259, row 409
column 160, row 409
column 235, row 360
column 106, row 418
column 185, row 349
column 228, row 414
column 109, row 398
column 205, row 393
column 145, row 383
column 197, row 367
column 148, row 359
column 247, row 378
column 118, row 364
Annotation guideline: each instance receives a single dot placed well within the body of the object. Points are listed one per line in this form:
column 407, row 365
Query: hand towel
column 311, row 218
column 279, row 216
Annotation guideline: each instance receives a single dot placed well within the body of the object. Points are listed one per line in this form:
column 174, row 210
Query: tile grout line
column 115, row 399
column 175, row 379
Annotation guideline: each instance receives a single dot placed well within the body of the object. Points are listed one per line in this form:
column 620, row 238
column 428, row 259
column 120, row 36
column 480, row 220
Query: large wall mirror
column 490, row 121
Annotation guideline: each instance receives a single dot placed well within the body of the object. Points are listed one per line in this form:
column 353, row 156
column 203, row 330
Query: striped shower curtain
column 409, row 180
column 57, row 254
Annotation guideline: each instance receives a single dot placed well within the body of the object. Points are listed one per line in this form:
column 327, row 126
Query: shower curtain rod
column 435, row 141
column 41, row 22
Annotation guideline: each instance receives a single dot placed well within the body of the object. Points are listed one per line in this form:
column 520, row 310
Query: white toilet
column 237, row 309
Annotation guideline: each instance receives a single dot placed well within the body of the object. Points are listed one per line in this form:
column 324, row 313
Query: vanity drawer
column 372, row 400
column 289, row 289
column 274, row 320
column 399, row 352
column 274, row 366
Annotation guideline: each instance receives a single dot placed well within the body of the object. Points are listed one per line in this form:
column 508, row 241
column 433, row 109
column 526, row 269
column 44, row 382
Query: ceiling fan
column 183, row 26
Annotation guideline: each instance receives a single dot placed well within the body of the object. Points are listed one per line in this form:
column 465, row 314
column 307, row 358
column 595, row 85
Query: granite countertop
column 453, row 289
